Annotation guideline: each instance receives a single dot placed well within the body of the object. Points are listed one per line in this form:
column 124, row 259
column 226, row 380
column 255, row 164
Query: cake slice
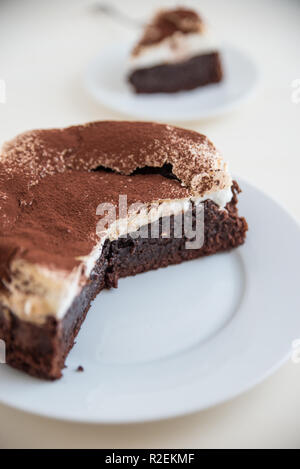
column 59, row 243
column 175, row 53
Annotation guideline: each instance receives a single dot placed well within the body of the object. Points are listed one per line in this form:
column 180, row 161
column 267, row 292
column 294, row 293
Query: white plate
column 105, row 80
column 181, row 339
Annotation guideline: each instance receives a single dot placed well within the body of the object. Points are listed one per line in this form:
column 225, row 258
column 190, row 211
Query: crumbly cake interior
column 200, row 70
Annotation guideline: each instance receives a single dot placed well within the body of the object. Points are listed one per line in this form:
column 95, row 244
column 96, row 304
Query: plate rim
column 218, row 111
column 170, row 414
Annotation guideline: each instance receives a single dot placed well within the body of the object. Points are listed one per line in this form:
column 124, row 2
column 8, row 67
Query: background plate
column 105, row 80
column 184, row 338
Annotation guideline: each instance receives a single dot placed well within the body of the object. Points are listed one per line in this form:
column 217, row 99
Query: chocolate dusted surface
column 56, row 223
column 120, row 146
column 168, row 22
column 49, row 193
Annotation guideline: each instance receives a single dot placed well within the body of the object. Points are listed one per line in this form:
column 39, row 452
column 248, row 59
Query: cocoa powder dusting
column 168, row 22
column 49, row 193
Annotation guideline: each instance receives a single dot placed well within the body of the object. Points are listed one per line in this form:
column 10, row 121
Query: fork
column 113, row 12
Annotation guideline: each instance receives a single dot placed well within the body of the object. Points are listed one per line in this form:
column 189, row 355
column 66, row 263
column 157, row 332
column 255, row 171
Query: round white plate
column 105, row 80
column 184, row 338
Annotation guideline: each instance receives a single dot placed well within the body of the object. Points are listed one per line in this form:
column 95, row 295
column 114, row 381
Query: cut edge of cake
column 42, row 305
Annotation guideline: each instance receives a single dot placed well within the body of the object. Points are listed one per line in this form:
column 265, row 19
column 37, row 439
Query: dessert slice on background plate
column 175, row 53
column 64, row 235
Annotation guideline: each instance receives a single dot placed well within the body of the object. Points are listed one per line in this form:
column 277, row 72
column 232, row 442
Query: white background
column 45, row 47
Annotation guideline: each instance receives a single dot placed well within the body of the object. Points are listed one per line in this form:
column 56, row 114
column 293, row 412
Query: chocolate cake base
column 41, row 350
column 198, row 71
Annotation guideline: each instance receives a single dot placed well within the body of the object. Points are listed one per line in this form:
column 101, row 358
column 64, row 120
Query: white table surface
column 44, row 49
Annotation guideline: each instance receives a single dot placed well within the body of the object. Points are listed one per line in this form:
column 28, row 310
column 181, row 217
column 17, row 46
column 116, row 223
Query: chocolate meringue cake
column 176, row 52
column 54, row 261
